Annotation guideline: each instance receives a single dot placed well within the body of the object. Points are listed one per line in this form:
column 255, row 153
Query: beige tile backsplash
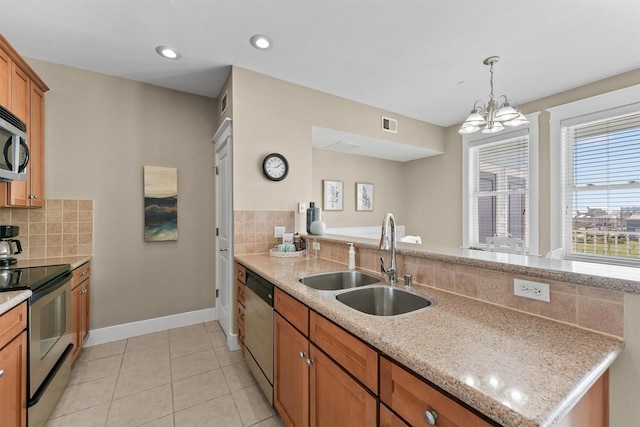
column 62, row 228
column 253, row 230
column 601, row 310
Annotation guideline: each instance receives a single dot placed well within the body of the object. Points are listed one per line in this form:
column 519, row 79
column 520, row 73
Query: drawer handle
column 83, row 273
column 1, row 373
column 430, row 417
column 302, row 355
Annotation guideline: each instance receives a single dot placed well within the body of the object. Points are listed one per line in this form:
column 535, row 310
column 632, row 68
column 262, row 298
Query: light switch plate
column 302, row 207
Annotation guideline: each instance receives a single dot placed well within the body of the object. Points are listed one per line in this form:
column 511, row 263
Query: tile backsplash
column 62, row 228
column 253, row 230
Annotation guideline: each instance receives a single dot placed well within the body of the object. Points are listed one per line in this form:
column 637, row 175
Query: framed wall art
column 160, row 203
column 364, row 196
column 332, row 195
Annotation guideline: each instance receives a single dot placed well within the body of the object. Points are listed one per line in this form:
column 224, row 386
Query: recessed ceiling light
column 260, row 42
column 167, row 52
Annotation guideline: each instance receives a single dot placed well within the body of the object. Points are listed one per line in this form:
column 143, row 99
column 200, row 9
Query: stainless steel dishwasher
column 259, row 331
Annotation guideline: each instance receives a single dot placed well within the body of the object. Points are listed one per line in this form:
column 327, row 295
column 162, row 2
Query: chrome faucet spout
column 388, row 243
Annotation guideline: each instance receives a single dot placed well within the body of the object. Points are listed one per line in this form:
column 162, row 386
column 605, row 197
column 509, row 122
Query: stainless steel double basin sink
column 366, row 293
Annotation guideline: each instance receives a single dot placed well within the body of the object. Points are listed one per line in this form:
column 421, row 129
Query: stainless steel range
column 49, row 326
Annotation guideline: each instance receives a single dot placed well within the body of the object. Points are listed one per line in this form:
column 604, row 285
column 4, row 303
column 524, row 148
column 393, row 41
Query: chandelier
column 496, row 114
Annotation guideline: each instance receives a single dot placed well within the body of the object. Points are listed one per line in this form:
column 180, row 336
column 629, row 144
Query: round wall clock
column 275, row 167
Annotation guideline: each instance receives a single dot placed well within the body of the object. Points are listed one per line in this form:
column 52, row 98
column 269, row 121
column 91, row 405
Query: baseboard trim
column 232, row 342
column 142, row 327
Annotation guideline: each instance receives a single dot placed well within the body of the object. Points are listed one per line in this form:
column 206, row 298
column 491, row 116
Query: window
column 500, row 186
column 596, row 205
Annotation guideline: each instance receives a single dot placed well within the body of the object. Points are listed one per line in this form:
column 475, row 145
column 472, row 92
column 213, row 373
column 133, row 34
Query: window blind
column 601, row 188
column 499, row 190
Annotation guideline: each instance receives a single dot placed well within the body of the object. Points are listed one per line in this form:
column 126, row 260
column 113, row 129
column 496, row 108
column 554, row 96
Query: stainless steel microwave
column 13, row 143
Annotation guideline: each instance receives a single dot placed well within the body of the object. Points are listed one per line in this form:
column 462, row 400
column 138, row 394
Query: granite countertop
column 74, row 261
column 8, row 300
column 517, row 369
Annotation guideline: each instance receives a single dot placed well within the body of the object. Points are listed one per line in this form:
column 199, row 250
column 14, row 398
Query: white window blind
column 601, row 189
column 498, row 190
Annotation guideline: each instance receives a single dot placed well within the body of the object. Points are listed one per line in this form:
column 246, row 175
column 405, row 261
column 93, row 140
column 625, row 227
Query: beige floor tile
column 212, row 326
column 252, row 405
column 102, row 350
column 238, row 376
column 218, row 338
column 148, row 340
column 199, row 388
column 150, row 355
column 85, row 395
column 91, row 417
column 144, row 377
column 193, row 364
column 227, row 357
column 189, row 345
column 219, row 412
column 274, row 421
column 161, row 422
column 184, row 332
column 95, row 369
column 141, row 408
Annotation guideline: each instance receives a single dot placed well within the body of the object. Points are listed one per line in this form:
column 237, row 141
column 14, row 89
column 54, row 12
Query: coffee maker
column 8, row 245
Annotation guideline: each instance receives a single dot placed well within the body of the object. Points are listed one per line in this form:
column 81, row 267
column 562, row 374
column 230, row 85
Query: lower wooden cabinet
column 13, row 367
column 241, row 292
column 80, row 299
column 389, row 419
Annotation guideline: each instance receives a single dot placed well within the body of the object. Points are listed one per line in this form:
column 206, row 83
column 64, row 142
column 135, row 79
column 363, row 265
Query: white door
column 224, row 231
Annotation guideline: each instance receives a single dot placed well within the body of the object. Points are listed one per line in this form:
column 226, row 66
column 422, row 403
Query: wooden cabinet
column 13, row 367
column 22, row 92
column 311, row 388
column 80, row 298
column 241, row 293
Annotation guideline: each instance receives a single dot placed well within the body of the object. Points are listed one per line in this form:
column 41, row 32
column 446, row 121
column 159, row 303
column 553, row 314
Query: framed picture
column 364, row 196
column 160, row 203
column 332, row 195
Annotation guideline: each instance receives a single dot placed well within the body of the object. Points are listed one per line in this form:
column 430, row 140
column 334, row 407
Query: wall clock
column 275, row 167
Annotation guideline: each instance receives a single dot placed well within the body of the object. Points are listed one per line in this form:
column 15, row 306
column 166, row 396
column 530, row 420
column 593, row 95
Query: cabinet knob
column 83, row 273
column 1, row 373
column 430, row 417
column 302, row 355
column 309, row 362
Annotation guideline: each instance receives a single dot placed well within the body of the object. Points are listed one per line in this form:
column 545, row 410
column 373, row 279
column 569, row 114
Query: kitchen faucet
column 388, row 243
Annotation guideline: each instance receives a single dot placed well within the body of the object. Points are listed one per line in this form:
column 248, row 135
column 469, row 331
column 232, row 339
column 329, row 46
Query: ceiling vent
column 389, row 125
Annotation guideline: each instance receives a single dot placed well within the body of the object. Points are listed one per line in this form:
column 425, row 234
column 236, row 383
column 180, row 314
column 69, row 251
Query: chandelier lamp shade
column 496, row 114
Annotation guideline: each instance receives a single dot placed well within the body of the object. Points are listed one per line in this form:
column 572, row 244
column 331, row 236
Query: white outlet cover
column 278, row 231
column 534, row 290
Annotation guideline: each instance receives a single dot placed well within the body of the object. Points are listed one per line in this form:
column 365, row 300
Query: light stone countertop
column 517, row 369
column 74, row 261
column 8, row 300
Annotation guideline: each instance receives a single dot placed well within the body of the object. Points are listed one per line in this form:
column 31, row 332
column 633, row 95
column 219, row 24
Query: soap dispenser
column 352, row 257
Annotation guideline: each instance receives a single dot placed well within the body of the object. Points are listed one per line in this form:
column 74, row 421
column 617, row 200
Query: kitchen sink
column 338, row 280
column 383, row 300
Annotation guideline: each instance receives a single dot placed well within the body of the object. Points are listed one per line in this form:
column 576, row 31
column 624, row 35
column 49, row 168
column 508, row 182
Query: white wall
column 99, row 133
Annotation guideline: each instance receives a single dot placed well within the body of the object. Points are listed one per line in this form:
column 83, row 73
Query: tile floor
column 183, row 377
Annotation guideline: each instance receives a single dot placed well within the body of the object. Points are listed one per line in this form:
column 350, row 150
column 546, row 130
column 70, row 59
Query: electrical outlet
column 302, row 207
column 316, row 245
column 278, row 231
column 533, row 290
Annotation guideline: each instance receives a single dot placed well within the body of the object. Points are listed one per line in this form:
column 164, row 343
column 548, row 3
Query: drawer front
column 12, row 323
column 411, row 397
column 241, row 313
column 389, row 419
column 241, row 292
column 353, row 355
column 241, row 273
column 241, row 335
column 293, row 310
column 80, row 274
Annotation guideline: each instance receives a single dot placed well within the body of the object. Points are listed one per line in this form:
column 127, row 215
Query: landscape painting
column 160, row 203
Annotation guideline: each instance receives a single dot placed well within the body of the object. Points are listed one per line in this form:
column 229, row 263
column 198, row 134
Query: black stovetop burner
column 5, row 262
column 16, row 279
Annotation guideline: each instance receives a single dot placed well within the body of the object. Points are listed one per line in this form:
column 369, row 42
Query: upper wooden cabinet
column 22, row 93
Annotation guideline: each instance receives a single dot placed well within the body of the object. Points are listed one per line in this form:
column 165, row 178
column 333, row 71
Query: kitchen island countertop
column 8, row 300
column 515, row 368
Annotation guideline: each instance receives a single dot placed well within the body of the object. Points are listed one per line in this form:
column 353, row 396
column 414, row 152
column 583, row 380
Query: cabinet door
column 336, row 398
column 389, row 419
column 84, row 313
column 291, row 374
column 19, row 93
column 5, row 79
column 35, row 177
column 13, row 383
column 76, row 321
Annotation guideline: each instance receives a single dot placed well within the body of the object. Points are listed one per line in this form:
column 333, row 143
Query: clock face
column 275, row 167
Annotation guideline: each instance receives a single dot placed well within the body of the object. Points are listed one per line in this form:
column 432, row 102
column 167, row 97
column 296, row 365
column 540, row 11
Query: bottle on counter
column 318, row 226
column 352, row 257
column 311, row 215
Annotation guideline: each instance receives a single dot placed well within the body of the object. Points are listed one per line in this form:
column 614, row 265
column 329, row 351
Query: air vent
column 389, row 125
column 223, row 103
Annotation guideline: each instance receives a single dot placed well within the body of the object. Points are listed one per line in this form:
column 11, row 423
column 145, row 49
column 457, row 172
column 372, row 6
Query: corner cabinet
column 22, row 92
column 13, row 367
column 80, row 298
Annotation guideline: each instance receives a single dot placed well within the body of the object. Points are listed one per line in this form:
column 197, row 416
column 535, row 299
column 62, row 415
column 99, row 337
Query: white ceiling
column 419, row 58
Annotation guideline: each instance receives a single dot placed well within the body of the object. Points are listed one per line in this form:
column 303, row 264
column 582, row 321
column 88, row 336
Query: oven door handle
column 43, row 387
column 51, row 286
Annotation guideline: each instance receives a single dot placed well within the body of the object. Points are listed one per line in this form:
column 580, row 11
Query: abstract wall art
column 160, row 203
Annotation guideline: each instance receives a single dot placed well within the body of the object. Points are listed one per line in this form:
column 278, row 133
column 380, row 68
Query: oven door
column 49, row 330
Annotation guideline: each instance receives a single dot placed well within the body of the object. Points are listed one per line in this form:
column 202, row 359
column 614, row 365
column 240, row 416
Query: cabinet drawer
column 411, row 397
column 241, row 335
column 241, row 273
column 241, row 313
column 12, row 323
column 241, row 292
column 293, row 310
column 80, row 274
column 353, row 355
column 389, row 419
